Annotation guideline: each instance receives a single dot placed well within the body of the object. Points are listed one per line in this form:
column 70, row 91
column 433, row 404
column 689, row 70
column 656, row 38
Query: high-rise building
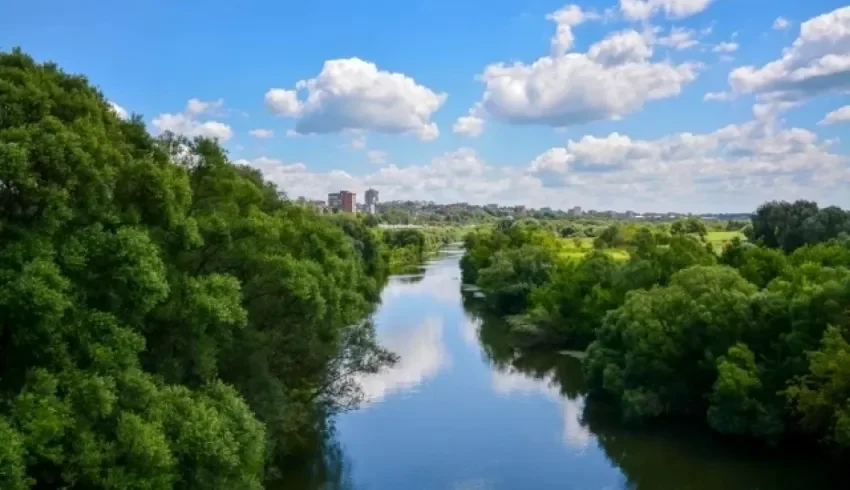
column 371, row 201
column 343, row 201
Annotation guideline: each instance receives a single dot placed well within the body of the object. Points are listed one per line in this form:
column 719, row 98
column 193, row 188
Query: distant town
column 346, row 202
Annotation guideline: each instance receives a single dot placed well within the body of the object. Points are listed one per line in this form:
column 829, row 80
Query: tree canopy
column 168, row 319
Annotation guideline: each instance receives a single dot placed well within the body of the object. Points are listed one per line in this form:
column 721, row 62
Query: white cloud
column 470, row 126
column 734, row 168
column 614, row 78
column 749, row 163
column 716, row 96
column 840, row 115
column 725, row 47
column 262, row 133
column 186, row 124
column 120, row 111
column 565, row 19
column 781, row 23
column 197, row 106
column 817, row 62
column 672, row 9
column 283, row 102
column 377, row 157
column 355, row 94
column 679, row 38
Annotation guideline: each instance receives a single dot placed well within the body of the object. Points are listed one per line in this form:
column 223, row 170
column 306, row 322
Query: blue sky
column 600, row 104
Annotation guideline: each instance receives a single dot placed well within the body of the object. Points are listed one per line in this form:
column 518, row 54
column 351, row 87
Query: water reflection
column 421, row 355
column 463, row 410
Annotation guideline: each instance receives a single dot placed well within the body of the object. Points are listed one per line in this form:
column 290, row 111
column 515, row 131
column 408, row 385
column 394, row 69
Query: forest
column 751, row 337
column 168, row 319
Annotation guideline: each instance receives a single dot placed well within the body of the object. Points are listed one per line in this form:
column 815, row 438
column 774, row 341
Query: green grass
column 724, row 236
column 719, row 239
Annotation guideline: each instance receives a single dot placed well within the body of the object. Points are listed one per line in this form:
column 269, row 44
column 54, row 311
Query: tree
column 168, row 319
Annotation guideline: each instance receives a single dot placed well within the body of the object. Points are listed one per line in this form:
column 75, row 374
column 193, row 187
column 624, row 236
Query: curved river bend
column 460, row 411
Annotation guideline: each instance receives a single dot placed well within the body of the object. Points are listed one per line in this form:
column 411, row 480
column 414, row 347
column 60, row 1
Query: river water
column 461, row 411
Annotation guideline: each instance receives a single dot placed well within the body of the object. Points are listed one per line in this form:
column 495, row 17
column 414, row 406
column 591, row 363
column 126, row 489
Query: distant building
column 343, row 201
column 371, row 201
column 576, row 211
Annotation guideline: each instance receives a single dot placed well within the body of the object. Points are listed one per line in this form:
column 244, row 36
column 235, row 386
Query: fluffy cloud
column 262, row 133
column 186, row 124
column 470, row 126
column 120, row 111
column 725, row 47
column 197, row 106
column 672, row 9
column 749, row 162
column 781, row 23
column 613, row 78
column 842, row 114
column 734, row 168
column 817, row 62
column 283, row 102
column 355, row 94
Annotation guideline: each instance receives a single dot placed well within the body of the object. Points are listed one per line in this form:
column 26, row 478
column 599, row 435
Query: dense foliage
column 410, row 246
column 754, row 341
column 167, row 319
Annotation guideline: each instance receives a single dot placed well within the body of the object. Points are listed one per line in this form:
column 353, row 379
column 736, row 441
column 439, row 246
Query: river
column 461, row 411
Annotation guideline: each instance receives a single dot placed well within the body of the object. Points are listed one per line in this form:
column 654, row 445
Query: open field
column 719, row 239
column 579, row 247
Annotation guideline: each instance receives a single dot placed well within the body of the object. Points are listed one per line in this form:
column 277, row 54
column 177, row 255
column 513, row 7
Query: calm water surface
column 461, row 411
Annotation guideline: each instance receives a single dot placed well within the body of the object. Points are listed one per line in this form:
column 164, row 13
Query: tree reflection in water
column 675, row 455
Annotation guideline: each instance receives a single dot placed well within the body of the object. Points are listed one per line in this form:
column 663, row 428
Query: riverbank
column 463, row 408
column 747, row 343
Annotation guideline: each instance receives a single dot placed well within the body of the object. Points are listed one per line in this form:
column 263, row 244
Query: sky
column 644, row 105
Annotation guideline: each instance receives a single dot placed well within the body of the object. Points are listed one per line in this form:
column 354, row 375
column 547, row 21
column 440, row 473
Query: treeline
column 410, row 246
column 753, row 341
column 167, row 319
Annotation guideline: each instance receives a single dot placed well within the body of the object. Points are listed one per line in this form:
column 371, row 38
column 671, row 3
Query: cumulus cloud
column 672, row 9
column 355, row 94
column 734, row 168
column 817, row 62
column 470, row 126
column 120, row 111
column 197, row 106
column 262, row 133
column 840, row 115
column 283, row 102
column 781, row 23
column 615, row 77
column 725, row 47
column 187, row 124
column 751, row 162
